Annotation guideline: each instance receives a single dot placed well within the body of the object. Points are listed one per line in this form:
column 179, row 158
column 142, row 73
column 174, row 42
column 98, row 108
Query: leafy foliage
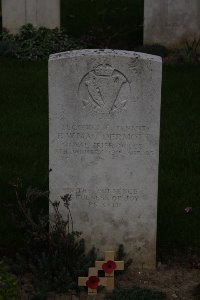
column 52, row 252
column 31, row 43
column 104, row 23
column 136, row 293
column 8, row 290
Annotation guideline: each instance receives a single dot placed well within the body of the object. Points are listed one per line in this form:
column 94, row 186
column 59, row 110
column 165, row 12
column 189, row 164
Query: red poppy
column 92, row 282
column 109, row 266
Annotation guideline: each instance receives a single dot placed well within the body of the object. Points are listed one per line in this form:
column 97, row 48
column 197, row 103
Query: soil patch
column 178, row 282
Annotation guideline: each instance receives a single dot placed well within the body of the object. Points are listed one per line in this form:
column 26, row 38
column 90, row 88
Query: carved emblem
column 104, row 89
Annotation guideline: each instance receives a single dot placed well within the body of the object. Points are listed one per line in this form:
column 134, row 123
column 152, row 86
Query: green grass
column 136, row 293
column 179, row 172
column 24, row 145
column 24, row 121
column 23, row 131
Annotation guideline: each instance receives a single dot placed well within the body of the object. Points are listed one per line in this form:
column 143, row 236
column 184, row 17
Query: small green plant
column 196, row 292
column 136, row 293
column 121, row 255
column 32, row 43
column 191, row 50
column 8, row 290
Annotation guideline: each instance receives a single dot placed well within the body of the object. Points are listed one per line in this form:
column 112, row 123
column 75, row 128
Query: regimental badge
column 104, row 90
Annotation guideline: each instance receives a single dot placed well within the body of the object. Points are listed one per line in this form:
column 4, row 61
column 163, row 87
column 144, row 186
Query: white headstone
column 171, row 22
column 104, row 120
column 16, row 13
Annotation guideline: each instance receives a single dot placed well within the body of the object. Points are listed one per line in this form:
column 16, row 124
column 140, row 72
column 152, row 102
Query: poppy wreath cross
column 109, row 266
column 92, row 281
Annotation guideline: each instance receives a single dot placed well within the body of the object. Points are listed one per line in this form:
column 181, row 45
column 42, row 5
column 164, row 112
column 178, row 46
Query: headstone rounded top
column 107, row 52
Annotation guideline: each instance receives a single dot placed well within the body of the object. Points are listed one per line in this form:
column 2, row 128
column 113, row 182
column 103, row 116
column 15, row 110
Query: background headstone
column 171, row 22
column 104, row 120
column 16, row 13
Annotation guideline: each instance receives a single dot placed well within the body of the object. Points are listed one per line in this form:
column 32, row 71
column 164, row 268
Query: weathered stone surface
column 171, row 22
column 16, row 13
column 104, row 119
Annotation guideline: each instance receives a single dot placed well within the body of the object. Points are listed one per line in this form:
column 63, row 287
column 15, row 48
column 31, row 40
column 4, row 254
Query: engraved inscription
column 104, row 197
column 104, row 90
column 118, row 142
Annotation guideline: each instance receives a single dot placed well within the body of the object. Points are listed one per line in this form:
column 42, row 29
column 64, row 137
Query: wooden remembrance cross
column 92, row 279
column 109, row 266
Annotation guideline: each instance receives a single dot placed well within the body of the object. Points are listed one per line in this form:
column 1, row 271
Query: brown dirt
column 177, row 282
